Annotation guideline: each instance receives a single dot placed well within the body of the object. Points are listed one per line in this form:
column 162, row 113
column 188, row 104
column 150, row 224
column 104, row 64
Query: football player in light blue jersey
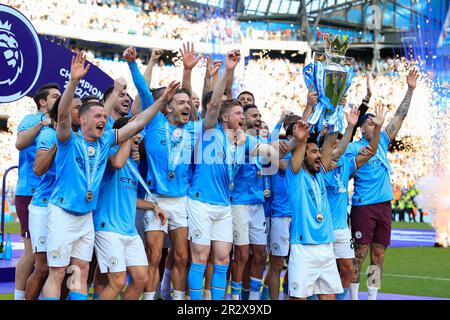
column 80, row 163
column 312, row 267
column 249, row 229
column 118, row 246
column 169, row 144
column 336, row 181
column 245, row 97
column 44, row 166
column 371, row 202
column 209, row 266
column 210, row 220
column 280, row 220
column 28, row 130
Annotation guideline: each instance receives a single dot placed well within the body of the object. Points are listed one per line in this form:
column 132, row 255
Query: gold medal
column 91, row 151
column 171, row 175
column 177, row 133
column 231, row 186
column 267, row 193
column 319, row 217
column 89, row 196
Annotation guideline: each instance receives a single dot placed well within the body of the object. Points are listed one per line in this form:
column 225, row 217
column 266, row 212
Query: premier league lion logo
column 20, row 55
column 11, row 58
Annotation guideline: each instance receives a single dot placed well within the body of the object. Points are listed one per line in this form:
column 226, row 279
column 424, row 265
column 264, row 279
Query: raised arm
column 311, row 102
column 352, row 119
column 207, row 84
column 154, row 58
column 212, row 112
column 364, row 155
column 363, row 107
column 77, row 71
column 229, row 86
column 26, row 137
column 145, row 96
column 301, row 133
column 142, row 119
column 327, row 149
column 43, row 160
column 215, row 76
column 402, row 111
column 212, row 70
column 189, row 62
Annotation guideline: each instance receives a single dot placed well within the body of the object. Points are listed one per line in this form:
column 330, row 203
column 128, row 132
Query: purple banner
column 56, row 68
column 28, row 61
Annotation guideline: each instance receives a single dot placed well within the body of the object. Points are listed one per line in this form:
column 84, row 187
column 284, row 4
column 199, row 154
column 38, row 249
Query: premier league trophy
column 330, row 74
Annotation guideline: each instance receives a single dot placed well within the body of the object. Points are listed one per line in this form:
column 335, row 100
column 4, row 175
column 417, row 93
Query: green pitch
column 419, row 271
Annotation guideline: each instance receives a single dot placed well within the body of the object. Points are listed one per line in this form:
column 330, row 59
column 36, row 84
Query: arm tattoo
column 402, row 110
column 390, row 129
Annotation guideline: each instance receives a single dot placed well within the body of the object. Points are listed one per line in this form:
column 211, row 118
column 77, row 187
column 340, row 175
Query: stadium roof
column 398, row 15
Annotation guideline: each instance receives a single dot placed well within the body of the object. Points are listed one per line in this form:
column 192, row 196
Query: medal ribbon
column 90, row 174
column 174, row 159
column 140, row 179
column 138, row 176
column 231, row 158
column 317, row 195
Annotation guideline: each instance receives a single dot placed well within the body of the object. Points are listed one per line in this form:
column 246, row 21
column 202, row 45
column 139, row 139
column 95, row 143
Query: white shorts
column 37, row 224
column 140, row 220
column 313, row 270
column 175, row 209
column 68, row 236
column 249, row 224
column 209, row 222
column 115, row 252
column 279, row 236
column 343, row 246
